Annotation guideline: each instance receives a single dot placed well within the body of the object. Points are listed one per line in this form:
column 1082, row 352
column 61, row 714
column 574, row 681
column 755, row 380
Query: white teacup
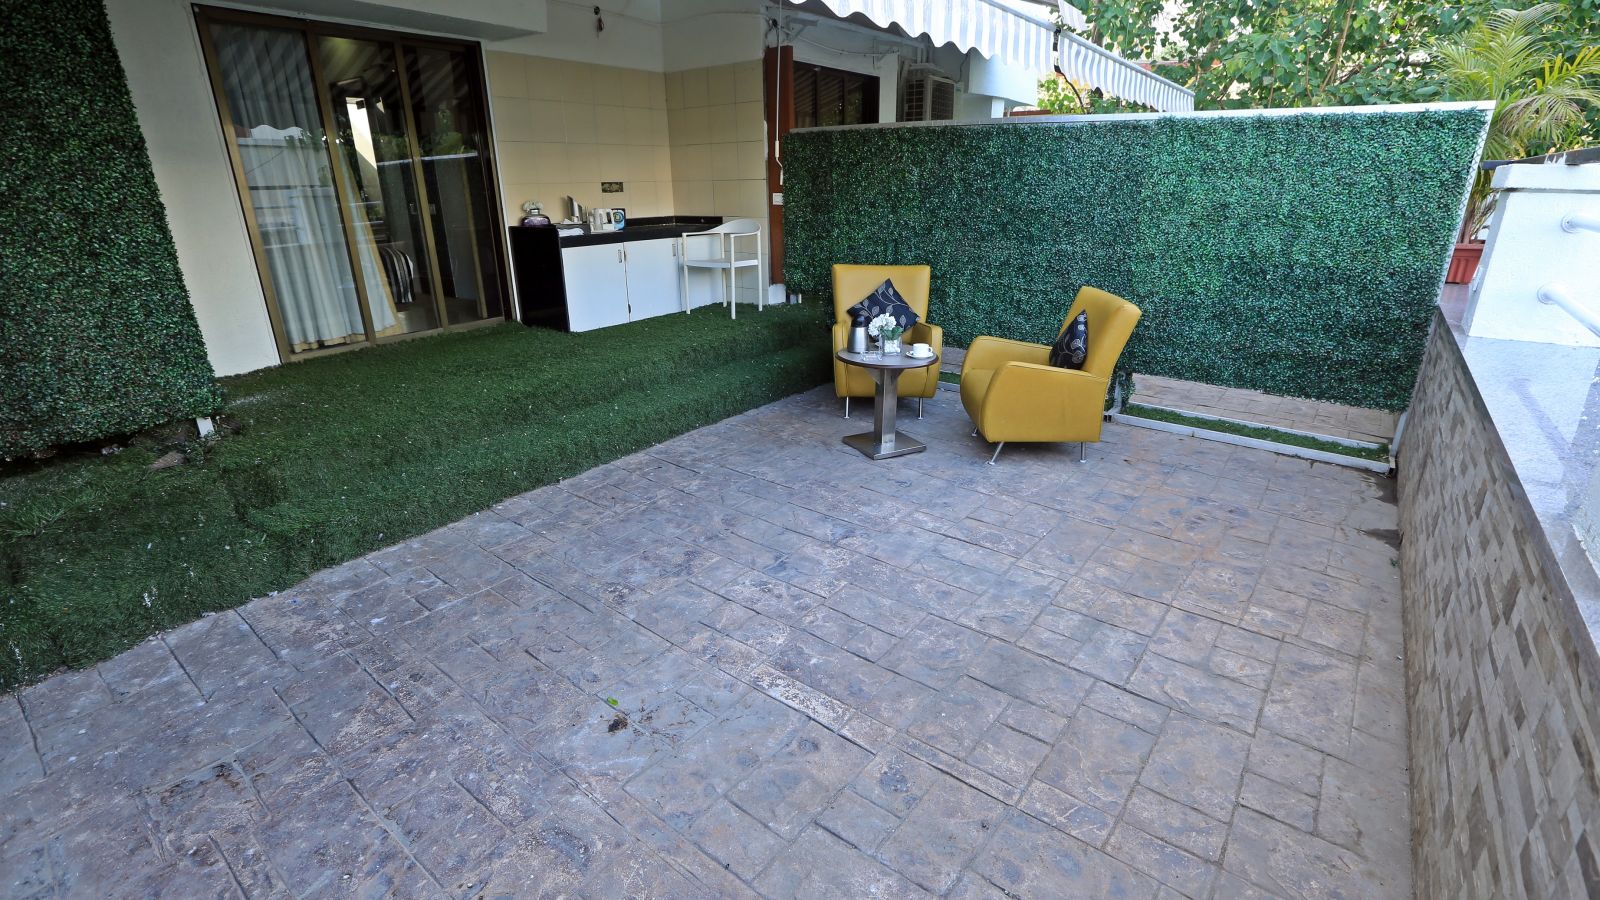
column 921, row 351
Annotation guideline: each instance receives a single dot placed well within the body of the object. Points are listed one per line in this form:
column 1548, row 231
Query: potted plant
column 1540, row 97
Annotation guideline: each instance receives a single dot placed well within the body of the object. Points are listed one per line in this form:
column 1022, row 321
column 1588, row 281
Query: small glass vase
column 891, row 346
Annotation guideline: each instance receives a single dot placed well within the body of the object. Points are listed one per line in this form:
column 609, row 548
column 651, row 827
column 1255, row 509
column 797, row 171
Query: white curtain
column 278, row 128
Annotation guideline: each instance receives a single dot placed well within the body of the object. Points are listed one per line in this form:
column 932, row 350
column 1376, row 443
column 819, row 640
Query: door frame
column 777, row 81
column 310, row 29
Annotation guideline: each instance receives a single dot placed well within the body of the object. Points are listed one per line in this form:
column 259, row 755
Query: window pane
column 805, row 97
column 830, row 98
column 364, row 89
column 824, row 96
column 451, row 129
column 266, row 78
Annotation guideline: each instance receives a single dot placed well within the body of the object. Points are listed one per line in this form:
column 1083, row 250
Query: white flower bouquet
column 885, row 328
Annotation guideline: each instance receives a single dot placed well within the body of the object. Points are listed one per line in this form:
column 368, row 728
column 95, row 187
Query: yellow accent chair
column 851, row 284
column 1013, row 393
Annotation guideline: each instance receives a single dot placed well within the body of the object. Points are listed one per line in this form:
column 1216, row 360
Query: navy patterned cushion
column 885, row 299
column 1072, row 347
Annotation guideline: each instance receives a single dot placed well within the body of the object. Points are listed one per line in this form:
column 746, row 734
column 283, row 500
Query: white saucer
column 924, row 356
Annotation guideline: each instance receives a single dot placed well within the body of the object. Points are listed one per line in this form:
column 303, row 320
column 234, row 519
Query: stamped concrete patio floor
column 751, row 661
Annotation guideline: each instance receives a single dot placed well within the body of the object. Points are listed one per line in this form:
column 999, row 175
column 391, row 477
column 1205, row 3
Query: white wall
column 482, row 19
column 1527, row 249
column 160, row 51
column 1013, row 85
column 697, row 34
column 631, row 39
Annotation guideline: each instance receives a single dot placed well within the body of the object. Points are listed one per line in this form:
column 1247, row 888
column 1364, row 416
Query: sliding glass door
column 450, row 128
column 376, row 161
column 363, row 159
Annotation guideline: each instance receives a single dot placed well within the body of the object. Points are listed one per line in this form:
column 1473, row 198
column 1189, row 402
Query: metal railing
column 1581, row 220
column 1557, row 294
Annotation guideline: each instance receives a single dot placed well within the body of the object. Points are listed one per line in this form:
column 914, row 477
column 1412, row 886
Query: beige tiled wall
column 715, row 123
column 562, row 128
column 717, row 128
column 686, row 143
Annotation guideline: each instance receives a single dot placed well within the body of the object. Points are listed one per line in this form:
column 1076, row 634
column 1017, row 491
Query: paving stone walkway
column 1374, row 426
column 752, row 662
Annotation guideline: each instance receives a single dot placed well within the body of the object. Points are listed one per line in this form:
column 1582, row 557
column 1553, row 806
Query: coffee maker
column 605, row 218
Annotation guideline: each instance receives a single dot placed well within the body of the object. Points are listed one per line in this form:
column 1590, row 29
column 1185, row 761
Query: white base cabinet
column 609, row 284
column 597, row 286
column 652, row 279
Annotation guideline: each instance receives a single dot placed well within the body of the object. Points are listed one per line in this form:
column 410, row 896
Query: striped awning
column 990, row 27
column 1001, row 30
column 1071, row 16
column 1089, row 64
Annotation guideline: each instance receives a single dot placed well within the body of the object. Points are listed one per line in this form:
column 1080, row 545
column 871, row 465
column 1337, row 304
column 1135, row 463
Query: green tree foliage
column 1542, row 96
column 1307, row 52
column 1543, row 84
column 1062, row 97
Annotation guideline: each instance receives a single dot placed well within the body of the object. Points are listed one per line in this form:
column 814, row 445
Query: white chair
column 718, row 249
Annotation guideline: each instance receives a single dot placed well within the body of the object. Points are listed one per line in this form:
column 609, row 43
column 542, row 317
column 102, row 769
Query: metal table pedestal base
column 898, row 445
column 882, row 442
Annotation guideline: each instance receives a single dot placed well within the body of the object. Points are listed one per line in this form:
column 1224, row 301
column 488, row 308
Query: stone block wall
column 1501, row 675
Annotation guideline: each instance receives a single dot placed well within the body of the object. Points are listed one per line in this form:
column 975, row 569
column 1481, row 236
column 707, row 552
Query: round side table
column 883, row 442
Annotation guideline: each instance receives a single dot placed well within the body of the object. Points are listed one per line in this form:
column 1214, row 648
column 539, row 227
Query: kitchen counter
column 580, row 282
column 647, row 228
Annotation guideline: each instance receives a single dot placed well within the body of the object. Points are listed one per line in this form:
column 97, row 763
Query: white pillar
column 1534, row 244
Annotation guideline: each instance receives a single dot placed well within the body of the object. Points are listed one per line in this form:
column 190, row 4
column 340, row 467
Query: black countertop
column 646, row 228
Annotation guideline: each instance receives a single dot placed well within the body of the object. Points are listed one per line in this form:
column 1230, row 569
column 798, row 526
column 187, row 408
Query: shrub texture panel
column 1300, row 255
column 97, row 336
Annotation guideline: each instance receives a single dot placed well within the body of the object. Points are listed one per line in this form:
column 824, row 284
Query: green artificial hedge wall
column 97, row 336
column 1300, row 255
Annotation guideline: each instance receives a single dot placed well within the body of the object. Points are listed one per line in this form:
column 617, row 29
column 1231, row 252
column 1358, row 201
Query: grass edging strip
column 1298, row 444
column 1314, row 440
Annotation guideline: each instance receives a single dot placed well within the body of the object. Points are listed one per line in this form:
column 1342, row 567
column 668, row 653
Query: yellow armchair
column 850, row 285
column 1013, row 393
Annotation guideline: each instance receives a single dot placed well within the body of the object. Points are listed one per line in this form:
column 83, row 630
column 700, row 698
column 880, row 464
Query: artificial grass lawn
column 1259, row 432
column 338, row 456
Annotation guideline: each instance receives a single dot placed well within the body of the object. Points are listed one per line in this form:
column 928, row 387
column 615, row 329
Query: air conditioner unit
column 926, row 96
